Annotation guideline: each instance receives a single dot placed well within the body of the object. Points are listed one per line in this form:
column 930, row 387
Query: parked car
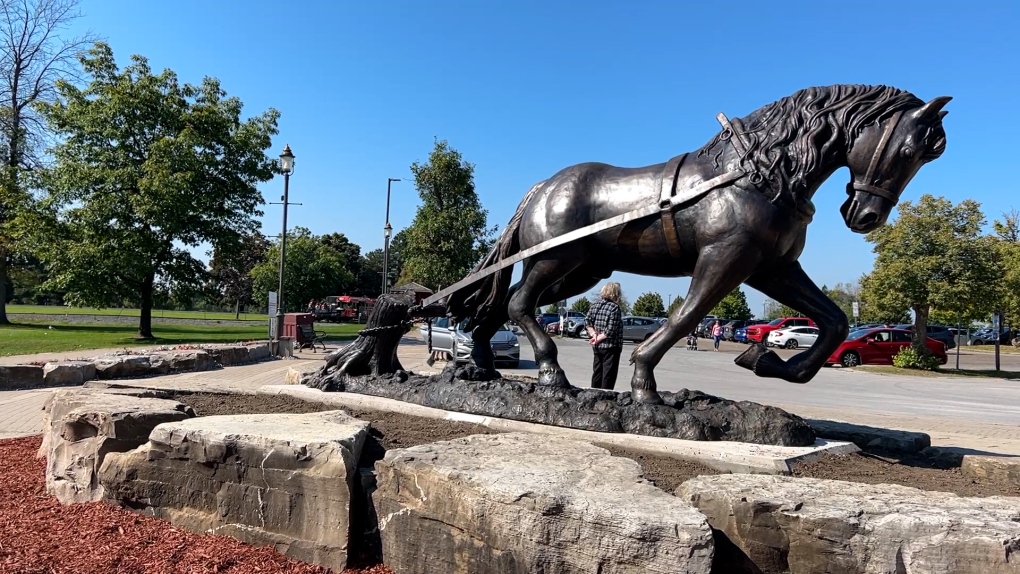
column 878, row 347
column 545, row 318
column 704, row 329
column 759, row 333
column 937, row 332
column 458, row 343
column 740, row 335
column 639, row 328
column 986, row 336
column 794, row 338
column 730, row 328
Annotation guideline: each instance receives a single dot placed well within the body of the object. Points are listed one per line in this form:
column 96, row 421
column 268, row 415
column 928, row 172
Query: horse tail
column 478, row 300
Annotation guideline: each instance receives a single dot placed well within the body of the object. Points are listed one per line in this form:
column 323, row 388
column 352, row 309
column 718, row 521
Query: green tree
column 624, row 304
column 934, row 255
column 775, row 310
column 649, row 305
column 581, row 305
column 370, row 268
column 449, row 234
column 1007, row 245
column 350, row 254
column 146, row 167
column 552, row 308
column 674, row 305
column 843, row 295
column 733, row 306
column 230, row 269
column 312, row 270
column 34, row 56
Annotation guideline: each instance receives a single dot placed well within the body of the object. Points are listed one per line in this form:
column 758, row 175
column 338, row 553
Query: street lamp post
column 387, row 229
column 286, row 167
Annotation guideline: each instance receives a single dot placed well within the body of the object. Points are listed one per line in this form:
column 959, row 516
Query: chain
column 382, row 329
column 430, row 336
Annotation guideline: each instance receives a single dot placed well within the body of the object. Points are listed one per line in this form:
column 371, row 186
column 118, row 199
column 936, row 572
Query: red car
column 760, row 333
column 878, row 346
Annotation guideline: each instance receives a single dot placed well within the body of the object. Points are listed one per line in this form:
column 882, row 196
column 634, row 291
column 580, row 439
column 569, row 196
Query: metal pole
column 283, row 258
column 959, row 341
column 386, row 240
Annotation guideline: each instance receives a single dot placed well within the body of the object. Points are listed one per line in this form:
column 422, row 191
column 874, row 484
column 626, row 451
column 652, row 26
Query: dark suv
column 938, row 332
column 730, row 328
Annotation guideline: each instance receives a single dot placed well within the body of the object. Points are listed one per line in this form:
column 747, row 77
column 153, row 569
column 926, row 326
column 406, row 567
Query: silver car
column 639, row 328
column 458, row 343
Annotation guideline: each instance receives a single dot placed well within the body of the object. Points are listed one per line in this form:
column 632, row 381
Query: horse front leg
column 791, row 286
column 710, row 284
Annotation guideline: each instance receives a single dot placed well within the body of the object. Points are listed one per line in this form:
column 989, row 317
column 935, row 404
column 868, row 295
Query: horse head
column 883, row 159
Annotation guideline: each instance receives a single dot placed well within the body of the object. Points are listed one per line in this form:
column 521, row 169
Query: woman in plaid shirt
column 605, row 326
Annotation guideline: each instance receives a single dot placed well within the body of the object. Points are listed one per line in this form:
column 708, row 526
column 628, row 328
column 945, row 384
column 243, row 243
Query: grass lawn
column 56, row 310
column 26, row 338
column 942, row 373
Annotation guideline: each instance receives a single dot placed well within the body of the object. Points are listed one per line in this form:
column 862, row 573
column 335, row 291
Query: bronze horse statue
column 735, row 211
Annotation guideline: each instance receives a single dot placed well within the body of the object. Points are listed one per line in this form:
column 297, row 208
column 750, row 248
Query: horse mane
column 790, row 138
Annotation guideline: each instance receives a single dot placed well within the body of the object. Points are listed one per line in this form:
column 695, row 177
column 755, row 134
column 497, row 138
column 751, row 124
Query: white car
column 457, row 342
column 793, row 338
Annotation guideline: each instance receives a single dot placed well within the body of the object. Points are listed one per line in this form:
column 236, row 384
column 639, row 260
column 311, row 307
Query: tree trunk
column 373, row 353
column 237, row 309
column 3, row 289
column 145, row 316
column 920, row 336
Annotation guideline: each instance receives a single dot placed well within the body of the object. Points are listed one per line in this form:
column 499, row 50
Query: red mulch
column 38, row 535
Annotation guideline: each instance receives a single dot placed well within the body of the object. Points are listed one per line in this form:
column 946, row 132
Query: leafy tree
column 674, row 305
column 581, row 305
column 1007, row 233
column 146, row 167
column 33, row 57
column 552, row 309
column 350, row 253
column 844, row 295
column 649, row 305
column 449, row 234
column 733, row 306
column 933, row 256
column 370, row 267
column 312, row 270
column 230, row 269
column 624, row 303
column 775, row 310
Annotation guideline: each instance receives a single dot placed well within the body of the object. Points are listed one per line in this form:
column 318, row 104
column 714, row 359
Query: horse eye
column 908, row 152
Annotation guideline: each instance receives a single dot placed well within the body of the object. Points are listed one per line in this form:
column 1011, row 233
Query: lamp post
column 387, row 229
column 286, row 167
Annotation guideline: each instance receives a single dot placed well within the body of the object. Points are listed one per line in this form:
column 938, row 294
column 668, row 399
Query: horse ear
column 943, row 114
column 933, row 107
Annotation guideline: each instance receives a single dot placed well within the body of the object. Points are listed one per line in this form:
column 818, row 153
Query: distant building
column 417, row 291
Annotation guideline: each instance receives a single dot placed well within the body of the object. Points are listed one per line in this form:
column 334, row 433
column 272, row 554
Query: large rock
column 874, row 437
column 521, row 503
column 68, row 373
column 82, row 426
column 13, row 377
column 232, row 355
column 686, row 414
column 259, row 352
column 122, row 366
column 998, row 468
column 277, row 479
column 194, row 360
column 808, row 526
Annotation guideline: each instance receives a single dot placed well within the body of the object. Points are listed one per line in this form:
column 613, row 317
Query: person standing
column 605, row 328
column 717, row 331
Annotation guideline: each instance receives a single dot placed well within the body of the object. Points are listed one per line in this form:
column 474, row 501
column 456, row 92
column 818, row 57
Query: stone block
column 807, row 526
column 184, row 361
column 259, row 352
column 82, row 426
column 874, row 437
column 522, row 503
column 13, row 377
column 68, row 373
column 158, row 365
column 226, row 356
column 997, row 468
column 276, row 479
column 122, row 366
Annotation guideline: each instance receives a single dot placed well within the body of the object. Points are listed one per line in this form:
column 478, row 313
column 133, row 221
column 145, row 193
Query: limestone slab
column 122, row 366
column 17, row 377
column 82, row 426
column 68, row 373
column 999, row 468
column 523, row 503
column 807, row 526
column 875, row 437
column 275, row 479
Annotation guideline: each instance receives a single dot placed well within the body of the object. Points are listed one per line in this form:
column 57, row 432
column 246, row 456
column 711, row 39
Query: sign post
column 857, row 312
column 272, row 315
column 996, row 325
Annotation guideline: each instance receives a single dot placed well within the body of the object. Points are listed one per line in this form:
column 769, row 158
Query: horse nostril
column 869, row 218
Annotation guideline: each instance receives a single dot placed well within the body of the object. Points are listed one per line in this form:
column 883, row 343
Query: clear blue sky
column 525, row 88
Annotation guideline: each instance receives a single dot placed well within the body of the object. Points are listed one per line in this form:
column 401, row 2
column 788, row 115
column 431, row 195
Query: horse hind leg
column 539, row 275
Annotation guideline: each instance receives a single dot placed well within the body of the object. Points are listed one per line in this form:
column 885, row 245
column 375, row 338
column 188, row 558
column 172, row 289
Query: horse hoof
column 646, row 397
column 555, row 378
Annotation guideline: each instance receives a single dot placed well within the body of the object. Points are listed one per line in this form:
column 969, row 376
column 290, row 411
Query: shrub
column 909, row 358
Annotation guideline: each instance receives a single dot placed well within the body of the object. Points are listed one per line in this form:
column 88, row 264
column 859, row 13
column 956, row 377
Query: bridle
column 869, row 176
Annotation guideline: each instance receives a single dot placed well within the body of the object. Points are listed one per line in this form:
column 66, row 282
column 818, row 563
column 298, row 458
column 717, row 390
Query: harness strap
column 880, row 149
column 669, row 179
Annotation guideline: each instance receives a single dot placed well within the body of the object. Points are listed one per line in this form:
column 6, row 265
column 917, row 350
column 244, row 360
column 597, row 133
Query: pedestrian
column 716, row 334
column 605, row 328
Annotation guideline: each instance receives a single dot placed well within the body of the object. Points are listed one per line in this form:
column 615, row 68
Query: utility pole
column 387, row 229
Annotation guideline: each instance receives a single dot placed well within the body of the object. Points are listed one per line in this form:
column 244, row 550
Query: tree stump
column 373, row 353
